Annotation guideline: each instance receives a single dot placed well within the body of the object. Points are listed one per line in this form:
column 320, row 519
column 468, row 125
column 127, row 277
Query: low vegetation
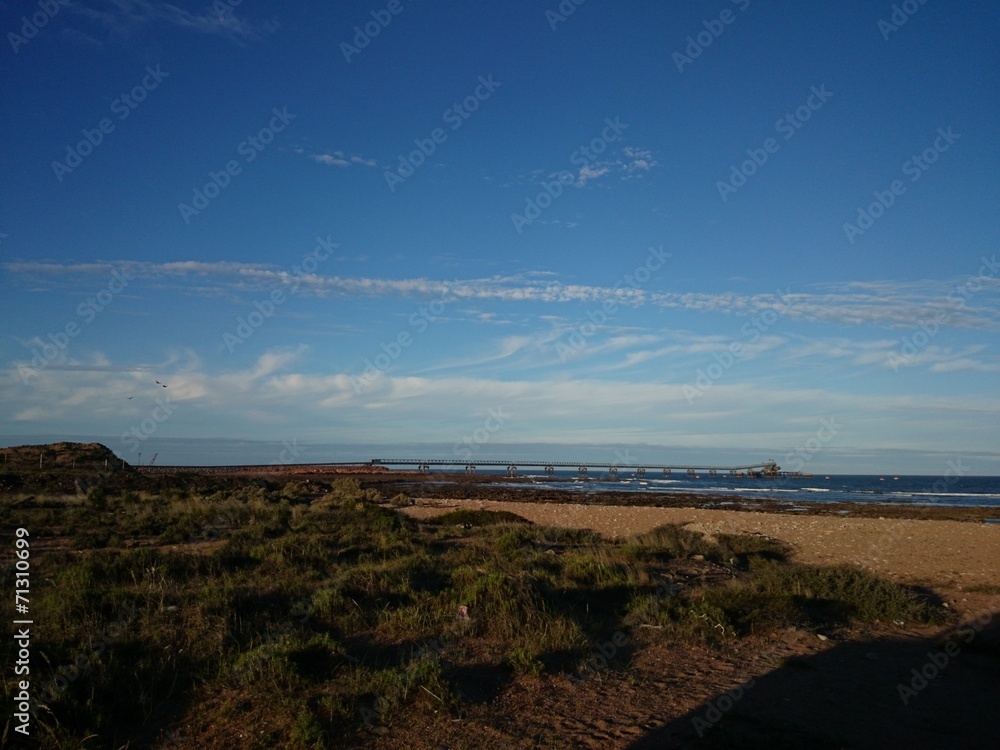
column 305, row 616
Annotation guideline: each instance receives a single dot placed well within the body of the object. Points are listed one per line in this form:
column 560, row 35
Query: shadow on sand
column 918, row 693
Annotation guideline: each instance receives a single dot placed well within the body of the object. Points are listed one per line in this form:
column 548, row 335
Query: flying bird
column 159, row 383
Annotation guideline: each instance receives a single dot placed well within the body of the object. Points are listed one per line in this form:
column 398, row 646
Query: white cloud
column 638, row 160
column 967, row 364
column 896, row 353
column 332, row 160
column 342, row 159
column 590, row 172
column 273, row 397
column 888, row 305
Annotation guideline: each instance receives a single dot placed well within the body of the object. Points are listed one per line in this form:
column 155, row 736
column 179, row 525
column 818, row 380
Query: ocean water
column 820, row 488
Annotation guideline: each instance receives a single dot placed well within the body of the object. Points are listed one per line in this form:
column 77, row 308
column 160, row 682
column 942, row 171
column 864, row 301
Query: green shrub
column 591, row 568
column 524, row 661
column 776, row 595
column 92, row 539
column 307, row 731
column 687, row 619
column 466, row 517
column 669, row 542
column 268, row 665
column 346, row 488
column 180, row 530
column 845, row 591
column 515, row 540
column 129, row 497
column 740, row 548
column 97, row 498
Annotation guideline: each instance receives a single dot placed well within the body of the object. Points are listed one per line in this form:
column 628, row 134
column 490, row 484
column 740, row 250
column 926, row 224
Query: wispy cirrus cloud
column 122, row 17
column 894, row 305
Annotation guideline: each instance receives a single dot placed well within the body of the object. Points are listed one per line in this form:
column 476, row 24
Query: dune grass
column 310, row 622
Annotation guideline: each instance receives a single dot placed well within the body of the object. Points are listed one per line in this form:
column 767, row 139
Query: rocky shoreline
column 454, row 487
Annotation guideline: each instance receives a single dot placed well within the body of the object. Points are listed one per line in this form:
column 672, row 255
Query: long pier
column 765, row 469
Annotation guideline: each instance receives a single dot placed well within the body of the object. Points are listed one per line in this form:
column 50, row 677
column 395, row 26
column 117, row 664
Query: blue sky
column 696, row 229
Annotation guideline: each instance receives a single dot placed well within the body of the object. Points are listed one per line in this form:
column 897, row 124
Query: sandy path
column 938, row 553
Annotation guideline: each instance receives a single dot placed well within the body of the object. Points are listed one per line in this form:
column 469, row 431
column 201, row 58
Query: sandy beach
column 941, row 554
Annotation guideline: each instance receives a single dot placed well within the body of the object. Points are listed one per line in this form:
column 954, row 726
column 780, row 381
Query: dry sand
column 941, row 554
